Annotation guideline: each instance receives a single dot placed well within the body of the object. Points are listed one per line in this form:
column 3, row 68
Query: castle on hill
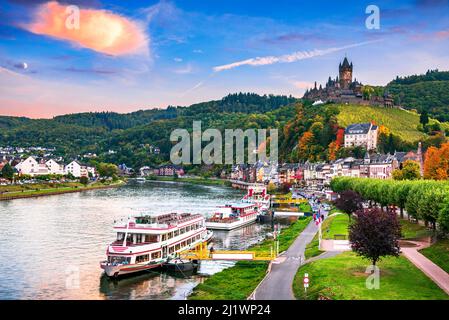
column 344, row 90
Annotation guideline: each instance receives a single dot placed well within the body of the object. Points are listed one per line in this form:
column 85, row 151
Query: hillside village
column 370, row 161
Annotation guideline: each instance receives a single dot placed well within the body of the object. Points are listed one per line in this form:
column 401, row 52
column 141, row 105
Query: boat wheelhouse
column 148, row 241
column 258, row 195
column 232, row 216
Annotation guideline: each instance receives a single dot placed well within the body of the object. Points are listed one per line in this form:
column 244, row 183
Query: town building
column 54, row 167
column 77, row 170
column 169, row 170
column 361, row 135
column 29, row 166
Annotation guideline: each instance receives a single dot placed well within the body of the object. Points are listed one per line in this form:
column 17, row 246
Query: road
column 277, row 285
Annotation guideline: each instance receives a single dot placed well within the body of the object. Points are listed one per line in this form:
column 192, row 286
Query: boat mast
column 126, row 234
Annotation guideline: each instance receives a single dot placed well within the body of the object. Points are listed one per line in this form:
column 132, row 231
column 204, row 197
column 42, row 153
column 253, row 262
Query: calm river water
column 51, row 246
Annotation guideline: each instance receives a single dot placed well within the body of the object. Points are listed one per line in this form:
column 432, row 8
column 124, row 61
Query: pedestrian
column 211, row 251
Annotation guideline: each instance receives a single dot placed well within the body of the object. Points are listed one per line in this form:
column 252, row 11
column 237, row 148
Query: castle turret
column 420, row 159
column 345, row 72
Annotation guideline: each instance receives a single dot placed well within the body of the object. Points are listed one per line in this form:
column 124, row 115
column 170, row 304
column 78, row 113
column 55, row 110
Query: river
column 52, row 246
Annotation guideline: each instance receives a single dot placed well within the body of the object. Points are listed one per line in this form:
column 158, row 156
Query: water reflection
column 51, row 246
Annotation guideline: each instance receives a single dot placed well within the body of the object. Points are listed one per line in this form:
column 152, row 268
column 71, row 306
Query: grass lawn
column 336, row 225
column 239, row 281
column 286, row 238
column 305, row 207
column 439, row 254
column 343, row 278
column 312, row 249
column 400, row 122
column 235, row 283
column 411, row 230
column 331, row 226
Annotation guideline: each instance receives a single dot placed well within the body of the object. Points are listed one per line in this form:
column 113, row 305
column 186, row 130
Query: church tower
column 345, row 71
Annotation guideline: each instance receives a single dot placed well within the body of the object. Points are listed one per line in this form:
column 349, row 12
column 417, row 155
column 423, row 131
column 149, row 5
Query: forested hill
column 233, row 103
column 428, row 92
column 128, row 134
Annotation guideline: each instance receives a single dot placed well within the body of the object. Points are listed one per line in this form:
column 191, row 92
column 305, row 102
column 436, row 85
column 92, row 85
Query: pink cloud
column 99, row 30
column 444, row 34
column 303, row 84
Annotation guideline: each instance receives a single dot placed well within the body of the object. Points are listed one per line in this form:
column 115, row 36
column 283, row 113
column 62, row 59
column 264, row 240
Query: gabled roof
column 359, row 128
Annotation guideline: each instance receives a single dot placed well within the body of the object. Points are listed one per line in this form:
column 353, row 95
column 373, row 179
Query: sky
column 124, row 56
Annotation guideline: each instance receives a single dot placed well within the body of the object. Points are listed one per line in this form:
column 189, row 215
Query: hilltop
column 402, row 123
column 429, row 91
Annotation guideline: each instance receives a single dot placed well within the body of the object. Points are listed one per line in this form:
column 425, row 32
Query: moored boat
column 232, row 216
column 148, row 241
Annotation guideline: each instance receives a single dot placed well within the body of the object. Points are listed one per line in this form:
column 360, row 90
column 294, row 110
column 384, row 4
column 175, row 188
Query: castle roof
column 345, row 63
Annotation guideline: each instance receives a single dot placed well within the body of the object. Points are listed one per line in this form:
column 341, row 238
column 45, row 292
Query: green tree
column 84, row 180
column 8, row 172
column 443, row 217
column 107, row 169
column 424, row 118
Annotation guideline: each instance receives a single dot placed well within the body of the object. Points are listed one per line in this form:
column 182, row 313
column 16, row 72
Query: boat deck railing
column 201, row 252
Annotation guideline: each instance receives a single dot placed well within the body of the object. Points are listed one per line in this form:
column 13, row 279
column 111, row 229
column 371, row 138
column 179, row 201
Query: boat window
column 118, row 259
column 155, row 255
column 177, row 247
column 142, row 258
column 151, row 238
column 164, row 237
column 171, row 249
column 120, row 236
column 176, row 233
column 188, row 228
column 138, row 238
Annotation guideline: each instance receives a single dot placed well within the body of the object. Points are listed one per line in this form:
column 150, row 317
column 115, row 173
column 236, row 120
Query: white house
column 76, row 169
column 361, row 135
column 54, row 167
column 27, row 166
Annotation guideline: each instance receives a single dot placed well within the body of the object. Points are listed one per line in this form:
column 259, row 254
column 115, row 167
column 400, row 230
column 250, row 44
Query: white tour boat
column 232, row 216
column 148, row 241
column 258, row 195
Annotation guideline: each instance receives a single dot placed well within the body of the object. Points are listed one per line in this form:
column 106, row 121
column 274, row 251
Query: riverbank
column 239, row 281
column 48, row 189
column 193, row 180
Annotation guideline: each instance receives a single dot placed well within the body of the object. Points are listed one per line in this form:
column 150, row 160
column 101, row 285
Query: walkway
column 277, row 285
column 434, row 272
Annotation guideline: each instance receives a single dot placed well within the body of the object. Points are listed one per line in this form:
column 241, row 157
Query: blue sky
column 180, row 44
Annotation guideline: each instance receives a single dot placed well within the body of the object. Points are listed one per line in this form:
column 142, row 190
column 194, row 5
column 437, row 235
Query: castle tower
column 345, row 71
column 420, row 159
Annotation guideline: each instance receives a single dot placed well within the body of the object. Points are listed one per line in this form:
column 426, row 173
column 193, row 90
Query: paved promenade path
column 277, row 285
column 434, row 272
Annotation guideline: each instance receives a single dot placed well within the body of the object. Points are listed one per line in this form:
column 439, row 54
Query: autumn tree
column 349, row 202
column 436, row 163
column 410, row 171
column 375, row 234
